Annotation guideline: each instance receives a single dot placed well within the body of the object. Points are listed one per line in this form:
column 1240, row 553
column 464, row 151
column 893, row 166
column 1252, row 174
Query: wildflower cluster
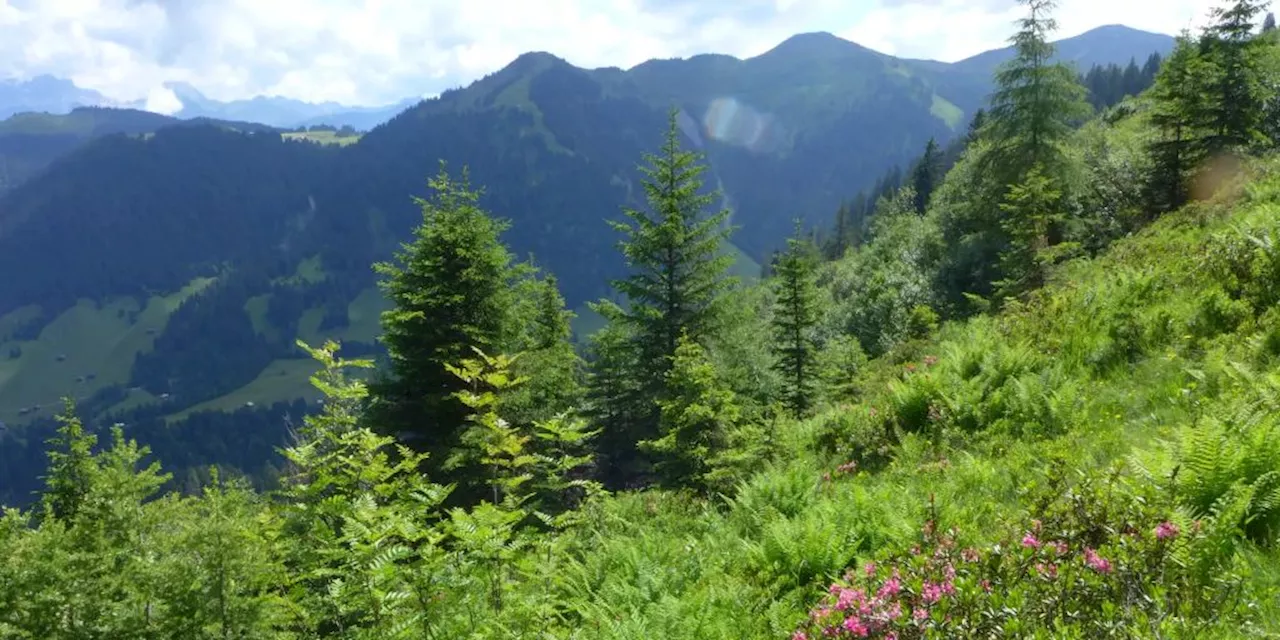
column 1085, row 565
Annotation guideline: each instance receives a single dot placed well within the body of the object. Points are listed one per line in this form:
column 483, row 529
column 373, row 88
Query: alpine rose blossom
column 1166, row 530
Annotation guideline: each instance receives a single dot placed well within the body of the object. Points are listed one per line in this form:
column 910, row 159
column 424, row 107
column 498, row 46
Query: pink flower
column 894, row 611
column 920, row 614
column 931, row 592
column 969, row 555
column 986, row 585
column 799, row 635
column 1049, row 571
column 890, row 588
column 1096, row 562
column 1030, row 541
column 869, row 569
column 1166, row 530
column 855, row 627
column 849, row 598
column 1060, row 548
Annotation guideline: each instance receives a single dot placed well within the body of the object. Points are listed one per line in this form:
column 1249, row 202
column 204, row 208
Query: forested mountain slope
column 190, row 261
column 1036, row 399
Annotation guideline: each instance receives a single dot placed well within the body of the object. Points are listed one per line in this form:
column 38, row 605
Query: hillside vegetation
column 791, row 132
column 1034, row 395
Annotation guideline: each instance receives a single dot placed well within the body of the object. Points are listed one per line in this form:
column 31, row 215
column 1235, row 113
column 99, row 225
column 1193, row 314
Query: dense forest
column 1024, row 388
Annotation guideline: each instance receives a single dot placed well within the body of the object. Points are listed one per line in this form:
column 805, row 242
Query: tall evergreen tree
column 840, row 236
column 1237, row 97
column 71, row 466
column 796, row 316
column 1178, row 106
column 976, row 125
column 926, row 175
column 698, row 416
column 679, row 270
column 547, row 357
column 1269, row 23
column 1036, row 101
column 453, row 290
column 1029, row 208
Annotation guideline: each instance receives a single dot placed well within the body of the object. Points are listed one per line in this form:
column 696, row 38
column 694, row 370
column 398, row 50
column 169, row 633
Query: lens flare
column 730, row 121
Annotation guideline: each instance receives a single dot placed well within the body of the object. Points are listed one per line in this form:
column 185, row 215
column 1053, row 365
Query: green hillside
column 1034, row 393
column 285, row 231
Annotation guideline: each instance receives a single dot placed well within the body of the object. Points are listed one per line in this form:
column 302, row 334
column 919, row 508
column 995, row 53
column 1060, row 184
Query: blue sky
column 380, row 51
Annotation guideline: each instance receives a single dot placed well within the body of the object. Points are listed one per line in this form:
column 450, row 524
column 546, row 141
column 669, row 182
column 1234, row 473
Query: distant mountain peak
column 815, row 45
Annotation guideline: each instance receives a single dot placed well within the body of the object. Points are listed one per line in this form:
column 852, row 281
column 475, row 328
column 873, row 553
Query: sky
column 370, row 52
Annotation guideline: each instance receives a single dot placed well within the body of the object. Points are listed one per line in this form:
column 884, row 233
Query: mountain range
column 164, row 272
column 52, row 95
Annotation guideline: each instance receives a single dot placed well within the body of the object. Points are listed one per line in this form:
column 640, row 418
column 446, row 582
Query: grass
column 322, row 137
column 87, row 348
column 289, row 379
column 660, row 564
column 947, row 112
column 308, row 271
column 281, row 380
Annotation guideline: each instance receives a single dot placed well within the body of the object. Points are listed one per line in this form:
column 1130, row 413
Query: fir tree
column 1036, row 102
column 1029, row 208
column 927, row 175
column 1269, row 23
column 614, row 400
column 72, row 467
column 547, row 357
column 679, row 269
column 796, row 315
column 453, row 290
column 1237, row 97
column 1178, row 105
column 698, row 414
column 976, row 125
column 840, row 236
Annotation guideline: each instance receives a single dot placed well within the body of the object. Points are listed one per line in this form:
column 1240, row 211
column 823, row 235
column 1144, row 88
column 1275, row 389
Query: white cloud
column 378, row 51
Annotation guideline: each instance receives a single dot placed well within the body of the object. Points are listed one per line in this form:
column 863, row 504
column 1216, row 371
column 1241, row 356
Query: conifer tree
column 840, row 237
column 678, row 269
column 1035, row 103
column 698, row 414
column 927, row 174
column 1028, row 207
column 1178, row 106
column 614, row 402
column 976, row 125
column 1269, row 23
column 1237, row 97
column 452, row 290
column 71, row 466
column 796, row 316
column 547, row 357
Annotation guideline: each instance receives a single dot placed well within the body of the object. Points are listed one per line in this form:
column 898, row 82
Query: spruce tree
column 614, row 400
column 547, row 357
column 72, row 467
column 840, row 236
column 1036, row 101
column 796, row 316
column 678, row 267
column 1029, row 208
column 698, row 416
column 927, row 174
column 1269, row 23
column 1237, row 97
column 453, row 291
column 1178, row 106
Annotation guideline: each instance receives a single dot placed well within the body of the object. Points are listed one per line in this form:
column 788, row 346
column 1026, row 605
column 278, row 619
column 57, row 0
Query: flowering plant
column 1090, row 560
